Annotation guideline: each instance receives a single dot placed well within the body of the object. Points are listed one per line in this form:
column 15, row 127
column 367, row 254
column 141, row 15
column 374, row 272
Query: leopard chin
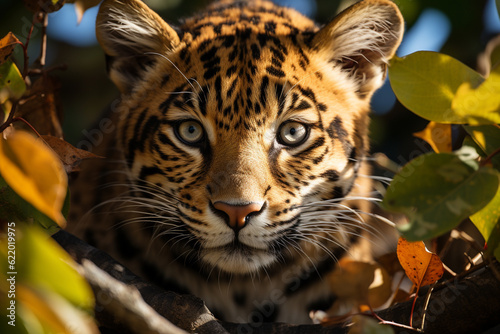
column 238, row 259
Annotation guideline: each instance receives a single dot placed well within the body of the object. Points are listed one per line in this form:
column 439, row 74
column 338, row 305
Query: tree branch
column 185, row 311
column 462, row 305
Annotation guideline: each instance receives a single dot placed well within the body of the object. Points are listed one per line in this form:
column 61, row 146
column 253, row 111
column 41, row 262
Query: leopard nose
column 238, row 215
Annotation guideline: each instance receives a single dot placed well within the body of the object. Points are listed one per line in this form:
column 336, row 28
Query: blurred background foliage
column 457, row 28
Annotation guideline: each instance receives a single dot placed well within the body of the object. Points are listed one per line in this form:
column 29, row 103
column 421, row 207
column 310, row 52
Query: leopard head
column 248, row 122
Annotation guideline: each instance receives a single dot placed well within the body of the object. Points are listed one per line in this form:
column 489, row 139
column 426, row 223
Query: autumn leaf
column 7, row 45
column 70, row 156
column 437, row 135
column 35, row 173
column 421, row 266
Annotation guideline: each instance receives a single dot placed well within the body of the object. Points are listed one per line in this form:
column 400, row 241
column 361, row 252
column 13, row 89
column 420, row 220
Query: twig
column 427, row 298
column 8, row 121
column 15, row 119
column 449, row 270
column 39, row 71
column 489, row 157
column 43, row 47
column 25, row 49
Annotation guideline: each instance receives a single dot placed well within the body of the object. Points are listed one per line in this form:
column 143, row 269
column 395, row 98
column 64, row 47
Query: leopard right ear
column 132, row 36
column 360, row 41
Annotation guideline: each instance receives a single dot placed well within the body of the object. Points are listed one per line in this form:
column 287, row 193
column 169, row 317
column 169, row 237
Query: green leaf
column 12, row 80
column 497, row 2
column 487, row 221
column 437, row 192
column 487, row 137
column 426, row 83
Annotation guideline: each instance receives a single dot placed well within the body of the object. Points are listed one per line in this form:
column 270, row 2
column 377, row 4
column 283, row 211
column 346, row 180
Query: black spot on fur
column 331, row 175
column 255, row 51
column 338, row 192
column 275, row 72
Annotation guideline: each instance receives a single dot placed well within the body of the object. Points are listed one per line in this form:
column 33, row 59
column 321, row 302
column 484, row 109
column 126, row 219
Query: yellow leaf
column 481, row 104
column 438, row 135
column 35, row 173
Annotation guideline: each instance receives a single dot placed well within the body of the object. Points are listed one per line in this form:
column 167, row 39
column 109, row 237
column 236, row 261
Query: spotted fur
column 253, row 106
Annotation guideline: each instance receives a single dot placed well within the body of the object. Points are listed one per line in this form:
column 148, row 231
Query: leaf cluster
column 439, row 190
column 46, row 293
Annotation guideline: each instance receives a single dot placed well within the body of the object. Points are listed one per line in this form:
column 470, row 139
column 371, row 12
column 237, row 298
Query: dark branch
column 465, row 305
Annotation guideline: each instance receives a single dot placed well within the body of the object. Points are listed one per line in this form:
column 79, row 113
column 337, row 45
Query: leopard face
column 244, row 130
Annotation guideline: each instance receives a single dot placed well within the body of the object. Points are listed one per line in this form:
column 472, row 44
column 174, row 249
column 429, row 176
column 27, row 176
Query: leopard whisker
column 383, row 179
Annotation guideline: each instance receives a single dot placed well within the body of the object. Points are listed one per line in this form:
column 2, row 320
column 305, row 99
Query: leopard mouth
column 238, row 258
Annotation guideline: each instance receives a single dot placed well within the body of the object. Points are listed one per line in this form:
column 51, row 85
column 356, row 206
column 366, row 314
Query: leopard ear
column 130, row 32
column 361, row 40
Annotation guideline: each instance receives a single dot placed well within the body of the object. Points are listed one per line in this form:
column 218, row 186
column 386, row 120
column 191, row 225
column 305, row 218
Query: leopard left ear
column 132, row 36
column 361, row 40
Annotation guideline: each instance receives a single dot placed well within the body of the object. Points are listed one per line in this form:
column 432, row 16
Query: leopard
column 236, row 159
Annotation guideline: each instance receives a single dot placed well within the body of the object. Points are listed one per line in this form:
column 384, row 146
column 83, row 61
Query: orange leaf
column 438, row 135
column 421, row 266
column 7, row 45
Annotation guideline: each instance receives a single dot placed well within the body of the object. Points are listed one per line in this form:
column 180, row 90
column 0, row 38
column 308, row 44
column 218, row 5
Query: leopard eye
column 190, row 132
column 292, row 133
